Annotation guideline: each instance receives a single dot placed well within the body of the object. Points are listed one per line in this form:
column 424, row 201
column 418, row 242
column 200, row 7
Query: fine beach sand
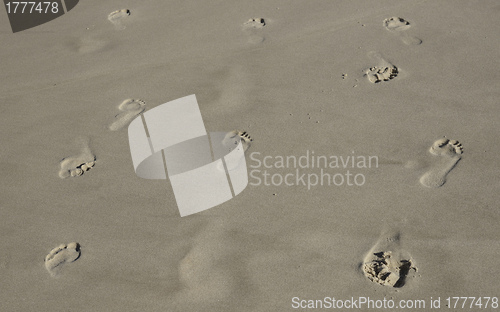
column 414, row 83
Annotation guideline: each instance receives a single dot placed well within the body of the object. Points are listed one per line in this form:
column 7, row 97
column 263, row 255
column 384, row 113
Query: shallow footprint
column 386, row 263
column 77, row 165
column 254, row 24
column 398, row 24
column 451, row 153
column 61, row 255
column 130, row 109
column 384, row 71
column 116, row 18
column 410, row 40
column 230, row 140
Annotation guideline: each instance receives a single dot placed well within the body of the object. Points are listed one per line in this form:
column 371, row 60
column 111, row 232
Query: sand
column 414, row 84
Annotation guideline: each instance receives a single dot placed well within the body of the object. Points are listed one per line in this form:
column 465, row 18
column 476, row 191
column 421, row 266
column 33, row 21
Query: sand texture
column 404, row 95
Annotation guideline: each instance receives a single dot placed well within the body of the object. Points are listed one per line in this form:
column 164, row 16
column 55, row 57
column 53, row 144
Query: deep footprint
column 377, row 74
column 386, row 264
column 451, row 152
column 75, row 166
column 116, row 18
column 398, row 24
column 130, row 109
column 384, row 71
column 61, row 255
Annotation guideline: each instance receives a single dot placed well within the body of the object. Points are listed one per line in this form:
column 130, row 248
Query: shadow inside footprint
column 404, row 269
column 450, row 152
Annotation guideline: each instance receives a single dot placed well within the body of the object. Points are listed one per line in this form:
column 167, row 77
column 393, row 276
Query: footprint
column 385, row 71
column 377, row 74
column 254, row 24
column 116, row 18
column 76, row 165
column 386, row 263
column 451, row 152
column 410, row 40
column 398, row 24
column 130, row 109
column 61, row 255
column 230, row 142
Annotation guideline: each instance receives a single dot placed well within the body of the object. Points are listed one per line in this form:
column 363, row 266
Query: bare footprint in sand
column 230, row 140
column 116, row 18
column 400, row 25
column 451, row 153
column 251, row 26
column 130, row 109
column 255, row 23
column 384, row 71
column 77, row 165
column 61, row 255
column 386, row 263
